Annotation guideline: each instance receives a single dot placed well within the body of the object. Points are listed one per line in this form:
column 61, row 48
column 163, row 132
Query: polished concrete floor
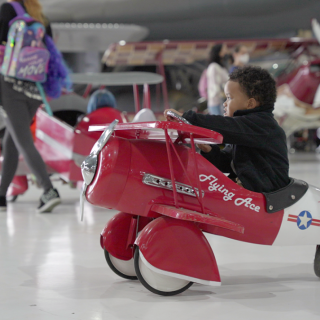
column 52, row 267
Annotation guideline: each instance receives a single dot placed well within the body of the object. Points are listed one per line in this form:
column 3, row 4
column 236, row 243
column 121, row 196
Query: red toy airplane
column 168, row 195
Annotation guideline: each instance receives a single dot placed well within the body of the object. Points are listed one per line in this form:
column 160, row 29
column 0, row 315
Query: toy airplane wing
column 117, row 78
column 187, row 52
column 156, row 131
column 188, row 215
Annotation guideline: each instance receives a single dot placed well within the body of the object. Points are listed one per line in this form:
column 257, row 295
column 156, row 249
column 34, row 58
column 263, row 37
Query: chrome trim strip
column 158, row 182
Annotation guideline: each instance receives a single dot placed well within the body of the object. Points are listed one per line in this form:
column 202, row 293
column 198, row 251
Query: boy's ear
column 252, row 103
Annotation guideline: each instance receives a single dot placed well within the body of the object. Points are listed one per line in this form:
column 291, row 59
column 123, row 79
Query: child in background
column 256, row 154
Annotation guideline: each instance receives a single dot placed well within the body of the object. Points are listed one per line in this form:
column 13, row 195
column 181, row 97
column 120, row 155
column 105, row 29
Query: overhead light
column 122, row 43
column 275, row 66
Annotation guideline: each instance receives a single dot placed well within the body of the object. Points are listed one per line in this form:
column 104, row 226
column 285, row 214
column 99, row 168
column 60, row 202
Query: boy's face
column 236, row 99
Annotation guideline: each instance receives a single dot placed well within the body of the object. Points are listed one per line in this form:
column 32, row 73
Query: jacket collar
column 264, row 108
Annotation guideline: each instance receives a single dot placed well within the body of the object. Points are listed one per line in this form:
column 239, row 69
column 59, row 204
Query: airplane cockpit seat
column 285, row 197
column 71, row 117
column 69, row 107
column 144, row 115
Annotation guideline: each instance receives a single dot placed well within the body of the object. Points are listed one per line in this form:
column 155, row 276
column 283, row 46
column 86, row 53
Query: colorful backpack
column 31, row 55
column 26, row 57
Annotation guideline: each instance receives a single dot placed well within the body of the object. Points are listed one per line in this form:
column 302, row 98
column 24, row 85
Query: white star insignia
column 304, row 220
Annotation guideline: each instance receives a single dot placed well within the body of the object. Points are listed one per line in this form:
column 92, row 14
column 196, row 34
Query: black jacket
column 258, row 150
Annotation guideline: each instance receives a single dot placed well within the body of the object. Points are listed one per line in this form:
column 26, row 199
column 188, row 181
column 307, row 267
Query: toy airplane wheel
column 123, row 268
column 316, row 265
column 158, row 283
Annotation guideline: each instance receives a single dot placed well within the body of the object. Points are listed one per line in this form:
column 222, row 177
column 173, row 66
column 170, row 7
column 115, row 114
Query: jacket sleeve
column 220, row 158
column 7, row 13
column 235, row 130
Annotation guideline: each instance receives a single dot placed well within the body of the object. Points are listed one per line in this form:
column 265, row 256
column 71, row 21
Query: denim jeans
column 216, row 110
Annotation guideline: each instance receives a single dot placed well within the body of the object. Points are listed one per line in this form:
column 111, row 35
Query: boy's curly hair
column 256, row 83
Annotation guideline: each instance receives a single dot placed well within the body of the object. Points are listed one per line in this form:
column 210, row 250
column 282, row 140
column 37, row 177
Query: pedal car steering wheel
column 180, row 138
column 176, row 116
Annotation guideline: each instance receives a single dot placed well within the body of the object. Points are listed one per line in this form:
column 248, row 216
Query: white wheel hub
column 124, row 266
column 157, row 280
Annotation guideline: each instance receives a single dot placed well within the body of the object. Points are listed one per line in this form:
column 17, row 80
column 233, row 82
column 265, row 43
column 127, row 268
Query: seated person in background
column 101, row 98
column 287, row 103
column 257, row 155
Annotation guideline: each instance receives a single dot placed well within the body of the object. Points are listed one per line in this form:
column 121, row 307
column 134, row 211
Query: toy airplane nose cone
column 89, row 165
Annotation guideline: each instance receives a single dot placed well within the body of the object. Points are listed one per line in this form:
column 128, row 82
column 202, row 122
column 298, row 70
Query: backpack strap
column 44, row 99
column 20, row 11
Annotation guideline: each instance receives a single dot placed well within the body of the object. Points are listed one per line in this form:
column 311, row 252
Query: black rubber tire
column 146, row 285
column 316, row 265
column 115, row 270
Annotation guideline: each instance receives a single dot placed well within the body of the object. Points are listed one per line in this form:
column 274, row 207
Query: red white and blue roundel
column 304, row 220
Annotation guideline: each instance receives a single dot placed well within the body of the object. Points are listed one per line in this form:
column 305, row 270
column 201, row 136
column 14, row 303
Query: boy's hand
column 171, row 118
column 204, row 147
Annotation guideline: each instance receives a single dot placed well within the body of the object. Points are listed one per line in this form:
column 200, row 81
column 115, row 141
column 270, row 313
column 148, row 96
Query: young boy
column 256, row 150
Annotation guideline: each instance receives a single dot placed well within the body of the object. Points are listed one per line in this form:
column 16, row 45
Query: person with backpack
column 214, row 78
column 21, row 98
